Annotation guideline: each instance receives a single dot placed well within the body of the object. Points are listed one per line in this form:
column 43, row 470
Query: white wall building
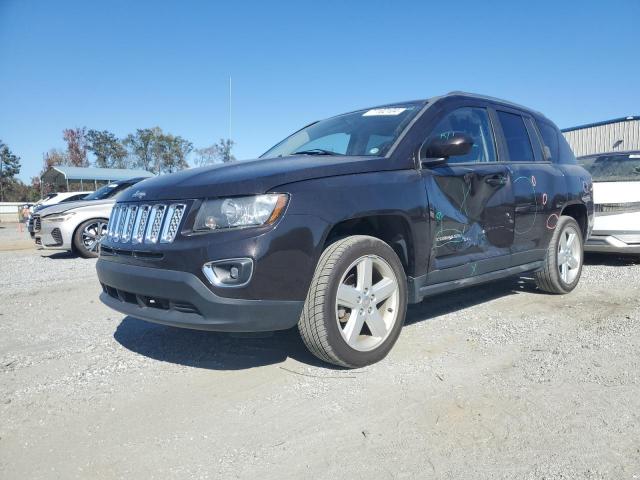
column 617, row 135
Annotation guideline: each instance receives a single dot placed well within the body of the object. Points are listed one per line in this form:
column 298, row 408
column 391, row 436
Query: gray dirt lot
column 495, row 382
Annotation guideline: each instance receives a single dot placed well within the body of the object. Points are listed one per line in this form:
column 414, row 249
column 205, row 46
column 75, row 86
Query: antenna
column 229, row 137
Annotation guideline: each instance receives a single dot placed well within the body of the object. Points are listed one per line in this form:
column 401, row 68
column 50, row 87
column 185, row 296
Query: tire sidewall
column 365, row 246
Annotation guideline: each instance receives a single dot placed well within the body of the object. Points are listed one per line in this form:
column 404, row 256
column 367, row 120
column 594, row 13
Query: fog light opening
column 232, row 272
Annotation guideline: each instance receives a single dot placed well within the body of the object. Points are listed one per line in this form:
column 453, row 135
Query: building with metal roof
column 60, row 175
column 619, row 134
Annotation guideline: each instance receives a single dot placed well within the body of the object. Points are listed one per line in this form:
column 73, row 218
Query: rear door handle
column 496, row 180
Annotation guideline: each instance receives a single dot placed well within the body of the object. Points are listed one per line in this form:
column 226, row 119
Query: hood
column 249, row 176
column 63, row 207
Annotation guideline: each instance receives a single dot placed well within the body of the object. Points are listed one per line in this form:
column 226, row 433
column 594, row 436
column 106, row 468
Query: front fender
column 338, row 199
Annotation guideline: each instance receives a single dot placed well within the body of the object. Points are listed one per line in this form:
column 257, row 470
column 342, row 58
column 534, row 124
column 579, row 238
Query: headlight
column 59, row 217
column 238, row 212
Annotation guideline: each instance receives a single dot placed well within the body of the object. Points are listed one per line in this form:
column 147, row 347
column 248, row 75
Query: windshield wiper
column 316, row 151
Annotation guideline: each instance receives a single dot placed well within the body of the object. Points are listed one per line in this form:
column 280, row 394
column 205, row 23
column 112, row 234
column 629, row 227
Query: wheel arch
column 578, row 211
column 393, row 229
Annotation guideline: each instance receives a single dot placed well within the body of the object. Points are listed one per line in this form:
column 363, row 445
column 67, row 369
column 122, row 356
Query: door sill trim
column 419, row 290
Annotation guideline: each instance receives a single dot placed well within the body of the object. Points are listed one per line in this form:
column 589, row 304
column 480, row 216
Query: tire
column 81, row 240
column 359, row 326
column 551, row 277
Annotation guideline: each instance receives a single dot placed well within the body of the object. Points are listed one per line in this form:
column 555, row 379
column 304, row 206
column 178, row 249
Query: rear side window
column 550, row 140
column 515, row 132
column 565, row 153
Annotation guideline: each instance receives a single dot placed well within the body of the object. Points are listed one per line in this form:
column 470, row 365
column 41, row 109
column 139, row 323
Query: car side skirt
column 419, row 289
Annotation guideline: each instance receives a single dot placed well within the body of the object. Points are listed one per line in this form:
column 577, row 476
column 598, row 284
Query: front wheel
column 356, row 304
column 563, row 262
column 87, row 238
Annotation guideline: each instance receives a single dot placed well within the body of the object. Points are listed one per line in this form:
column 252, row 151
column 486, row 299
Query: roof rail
column 495, row 99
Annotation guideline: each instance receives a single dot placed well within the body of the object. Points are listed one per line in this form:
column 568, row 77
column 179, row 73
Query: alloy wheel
column 569, row 255
column 367, row 302
column 92, row 234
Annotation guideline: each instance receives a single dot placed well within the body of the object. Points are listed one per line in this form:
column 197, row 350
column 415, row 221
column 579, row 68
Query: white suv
column 78, row 226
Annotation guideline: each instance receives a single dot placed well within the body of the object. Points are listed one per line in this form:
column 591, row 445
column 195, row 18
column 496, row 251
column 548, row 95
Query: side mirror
column 439, row 148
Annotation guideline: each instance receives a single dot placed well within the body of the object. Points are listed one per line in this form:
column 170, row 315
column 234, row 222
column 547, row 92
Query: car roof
column 460, row 93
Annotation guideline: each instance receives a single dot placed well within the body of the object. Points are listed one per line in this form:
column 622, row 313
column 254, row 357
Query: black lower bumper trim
column 128, row 288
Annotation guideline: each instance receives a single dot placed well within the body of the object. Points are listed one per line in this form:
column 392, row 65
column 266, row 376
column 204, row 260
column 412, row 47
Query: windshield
column 365, row 132
column 613, row 167
column 108, row 191
column 75, row 198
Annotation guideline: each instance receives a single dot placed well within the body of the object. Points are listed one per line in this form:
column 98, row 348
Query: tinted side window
column 475, row 123
column 550, row 139
column 566, row 154
column 518, row 143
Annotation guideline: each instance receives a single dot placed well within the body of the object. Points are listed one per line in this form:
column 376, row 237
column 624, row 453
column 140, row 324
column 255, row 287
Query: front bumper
column 613, row 242
column 180, row 299
column 54, row 236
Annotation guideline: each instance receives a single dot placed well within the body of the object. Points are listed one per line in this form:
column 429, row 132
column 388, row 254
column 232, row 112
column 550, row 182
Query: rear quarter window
column 565, row 154
column 550, row 140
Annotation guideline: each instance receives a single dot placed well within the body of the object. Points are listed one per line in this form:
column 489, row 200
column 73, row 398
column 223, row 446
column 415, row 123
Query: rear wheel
column 563, row 262
column 356, row 304
column 87, row 238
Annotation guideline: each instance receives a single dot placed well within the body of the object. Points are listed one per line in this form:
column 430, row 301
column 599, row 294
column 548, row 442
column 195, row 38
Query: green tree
column 216, row 153
column 108, row 150
column 158, row 152
column 170, row 152
column 9, row 168
column 16, row 191
column 141, row 147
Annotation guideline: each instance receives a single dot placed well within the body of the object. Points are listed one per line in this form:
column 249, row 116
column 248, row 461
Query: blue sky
column 122, row 65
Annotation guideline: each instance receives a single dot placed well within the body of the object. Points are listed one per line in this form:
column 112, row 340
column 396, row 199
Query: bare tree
column 217, row 153
column 76, row 146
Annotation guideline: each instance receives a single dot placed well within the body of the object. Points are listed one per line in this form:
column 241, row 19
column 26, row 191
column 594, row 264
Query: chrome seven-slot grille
column 135, row 224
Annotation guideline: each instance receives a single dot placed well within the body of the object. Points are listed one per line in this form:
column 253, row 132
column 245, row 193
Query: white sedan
column 616, row 195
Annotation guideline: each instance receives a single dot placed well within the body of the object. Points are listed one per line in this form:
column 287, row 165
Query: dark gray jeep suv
column 341, row 225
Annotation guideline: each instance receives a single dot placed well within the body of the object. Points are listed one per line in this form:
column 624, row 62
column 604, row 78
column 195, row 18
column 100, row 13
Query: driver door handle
column 496, row 180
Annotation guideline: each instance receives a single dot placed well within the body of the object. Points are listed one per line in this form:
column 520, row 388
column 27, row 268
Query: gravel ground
column 496, row 382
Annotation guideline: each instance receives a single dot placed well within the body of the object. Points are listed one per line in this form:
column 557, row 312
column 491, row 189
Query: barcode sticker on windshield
column 383, row 111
